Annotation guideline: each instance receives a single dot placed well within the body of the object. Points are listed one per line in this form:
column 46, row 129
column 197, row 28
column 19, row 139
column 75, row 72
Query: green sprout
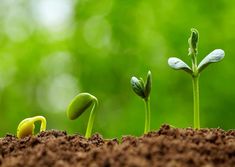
column 143, row 90
column 26, row 127
column 177, row 64
column 79, row 105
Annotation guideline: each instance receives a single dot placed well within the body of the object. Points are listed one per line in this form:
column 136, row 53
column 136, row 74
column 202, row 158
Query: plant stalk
column 147, row 115
column 43, row 122
column 196, row 102
column 195, row 79
column 91, row 121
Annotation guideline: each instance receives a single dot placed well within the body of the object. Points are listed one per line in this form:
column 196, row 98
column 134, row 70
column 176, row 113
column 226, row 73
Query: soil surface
column 167, row 147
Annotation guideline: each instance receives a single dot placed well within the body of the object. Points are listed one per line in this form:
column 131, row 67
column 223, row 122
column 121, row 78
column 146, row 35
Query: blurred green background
column 50, row 50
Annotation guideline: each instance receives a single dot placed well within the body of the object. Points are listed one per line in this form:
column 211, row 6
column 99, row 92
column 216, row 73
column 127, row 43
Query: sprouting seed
column 26, row 127
column 79, row 105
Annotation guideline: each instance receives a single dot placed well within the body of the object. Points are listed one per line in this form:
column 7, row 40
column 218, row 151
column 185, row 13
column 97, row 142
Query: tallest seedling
column 177, row 64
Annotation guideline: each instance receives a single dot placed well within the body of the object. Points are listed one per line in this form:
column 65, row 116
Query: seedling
column 143, row 90
column 177, row 64
column 79, row 105
column 26, row 127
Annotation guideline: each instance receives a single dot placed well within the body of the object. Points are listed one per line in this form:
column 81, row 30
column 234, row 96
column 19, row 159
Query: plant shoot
column 26, row 127
column 79, row 105
column 177, row 64
column 143, row 90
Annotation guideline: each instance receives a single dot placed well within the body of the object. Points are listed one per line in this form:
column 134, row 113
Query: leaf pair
column 215, row 56
column 140, row 88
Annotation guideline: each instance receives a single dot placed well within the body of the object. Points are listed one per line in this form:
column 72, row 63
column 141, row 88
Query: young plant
column 79, row 105
column 143, row 90
column 26, row 127
column 177, row 64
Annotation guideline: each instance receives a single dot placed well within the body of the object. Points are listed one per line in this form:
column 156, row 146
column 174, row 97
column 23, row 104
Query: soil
column 167, row 147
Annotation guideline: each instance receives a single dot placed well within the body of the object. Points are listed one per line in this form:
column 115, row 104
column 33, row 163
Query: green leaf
column 178, row 64
column 215, row 56
column 79, row 105
column 138, row 86
column 193, row 42
column 148, row 85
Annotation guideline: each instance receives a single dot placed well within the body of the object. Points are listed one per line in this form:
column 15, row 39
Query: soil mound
column 167, row 147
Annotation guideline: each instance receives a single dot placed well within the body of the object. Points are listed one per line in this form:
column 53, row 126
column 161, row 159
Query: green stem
column 195, row 79
column 147, row 115
column 196, row 102
column 91, row 121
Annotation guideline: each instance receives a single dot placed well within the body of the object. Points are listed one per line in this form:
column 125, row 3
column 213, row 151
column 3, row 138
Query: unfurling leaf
column 80, row 104
column 215, row 56
column 178, row 64
column 193, row 42
column 148, row 85
column 138, row 86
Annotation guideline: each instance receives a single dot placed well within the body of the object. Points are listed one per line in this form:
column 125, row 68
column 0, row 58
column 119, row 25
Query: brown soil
column 168, row 147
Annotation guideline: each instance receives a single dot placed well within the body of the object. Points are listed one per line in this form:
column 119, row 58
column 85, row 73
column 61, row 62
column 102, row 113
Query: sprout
column 143, row 90
column 79, row 105
column 26, row 127
column 177, row 64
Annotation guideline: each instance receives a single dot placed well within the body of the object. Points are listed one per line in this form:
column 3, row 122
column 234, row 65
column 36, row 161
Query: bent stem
column 91, row 120
column 43, row 122
column 26, row 126
column 196, row 102
column 147, row 115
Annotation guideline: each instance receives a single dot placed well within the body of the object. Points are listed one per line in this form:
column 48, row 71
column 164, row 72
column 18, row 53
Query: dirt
column 167, row 147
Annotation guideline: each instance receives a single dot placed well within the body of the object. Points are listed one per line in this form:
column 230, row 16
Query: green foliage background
column 98, row 46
